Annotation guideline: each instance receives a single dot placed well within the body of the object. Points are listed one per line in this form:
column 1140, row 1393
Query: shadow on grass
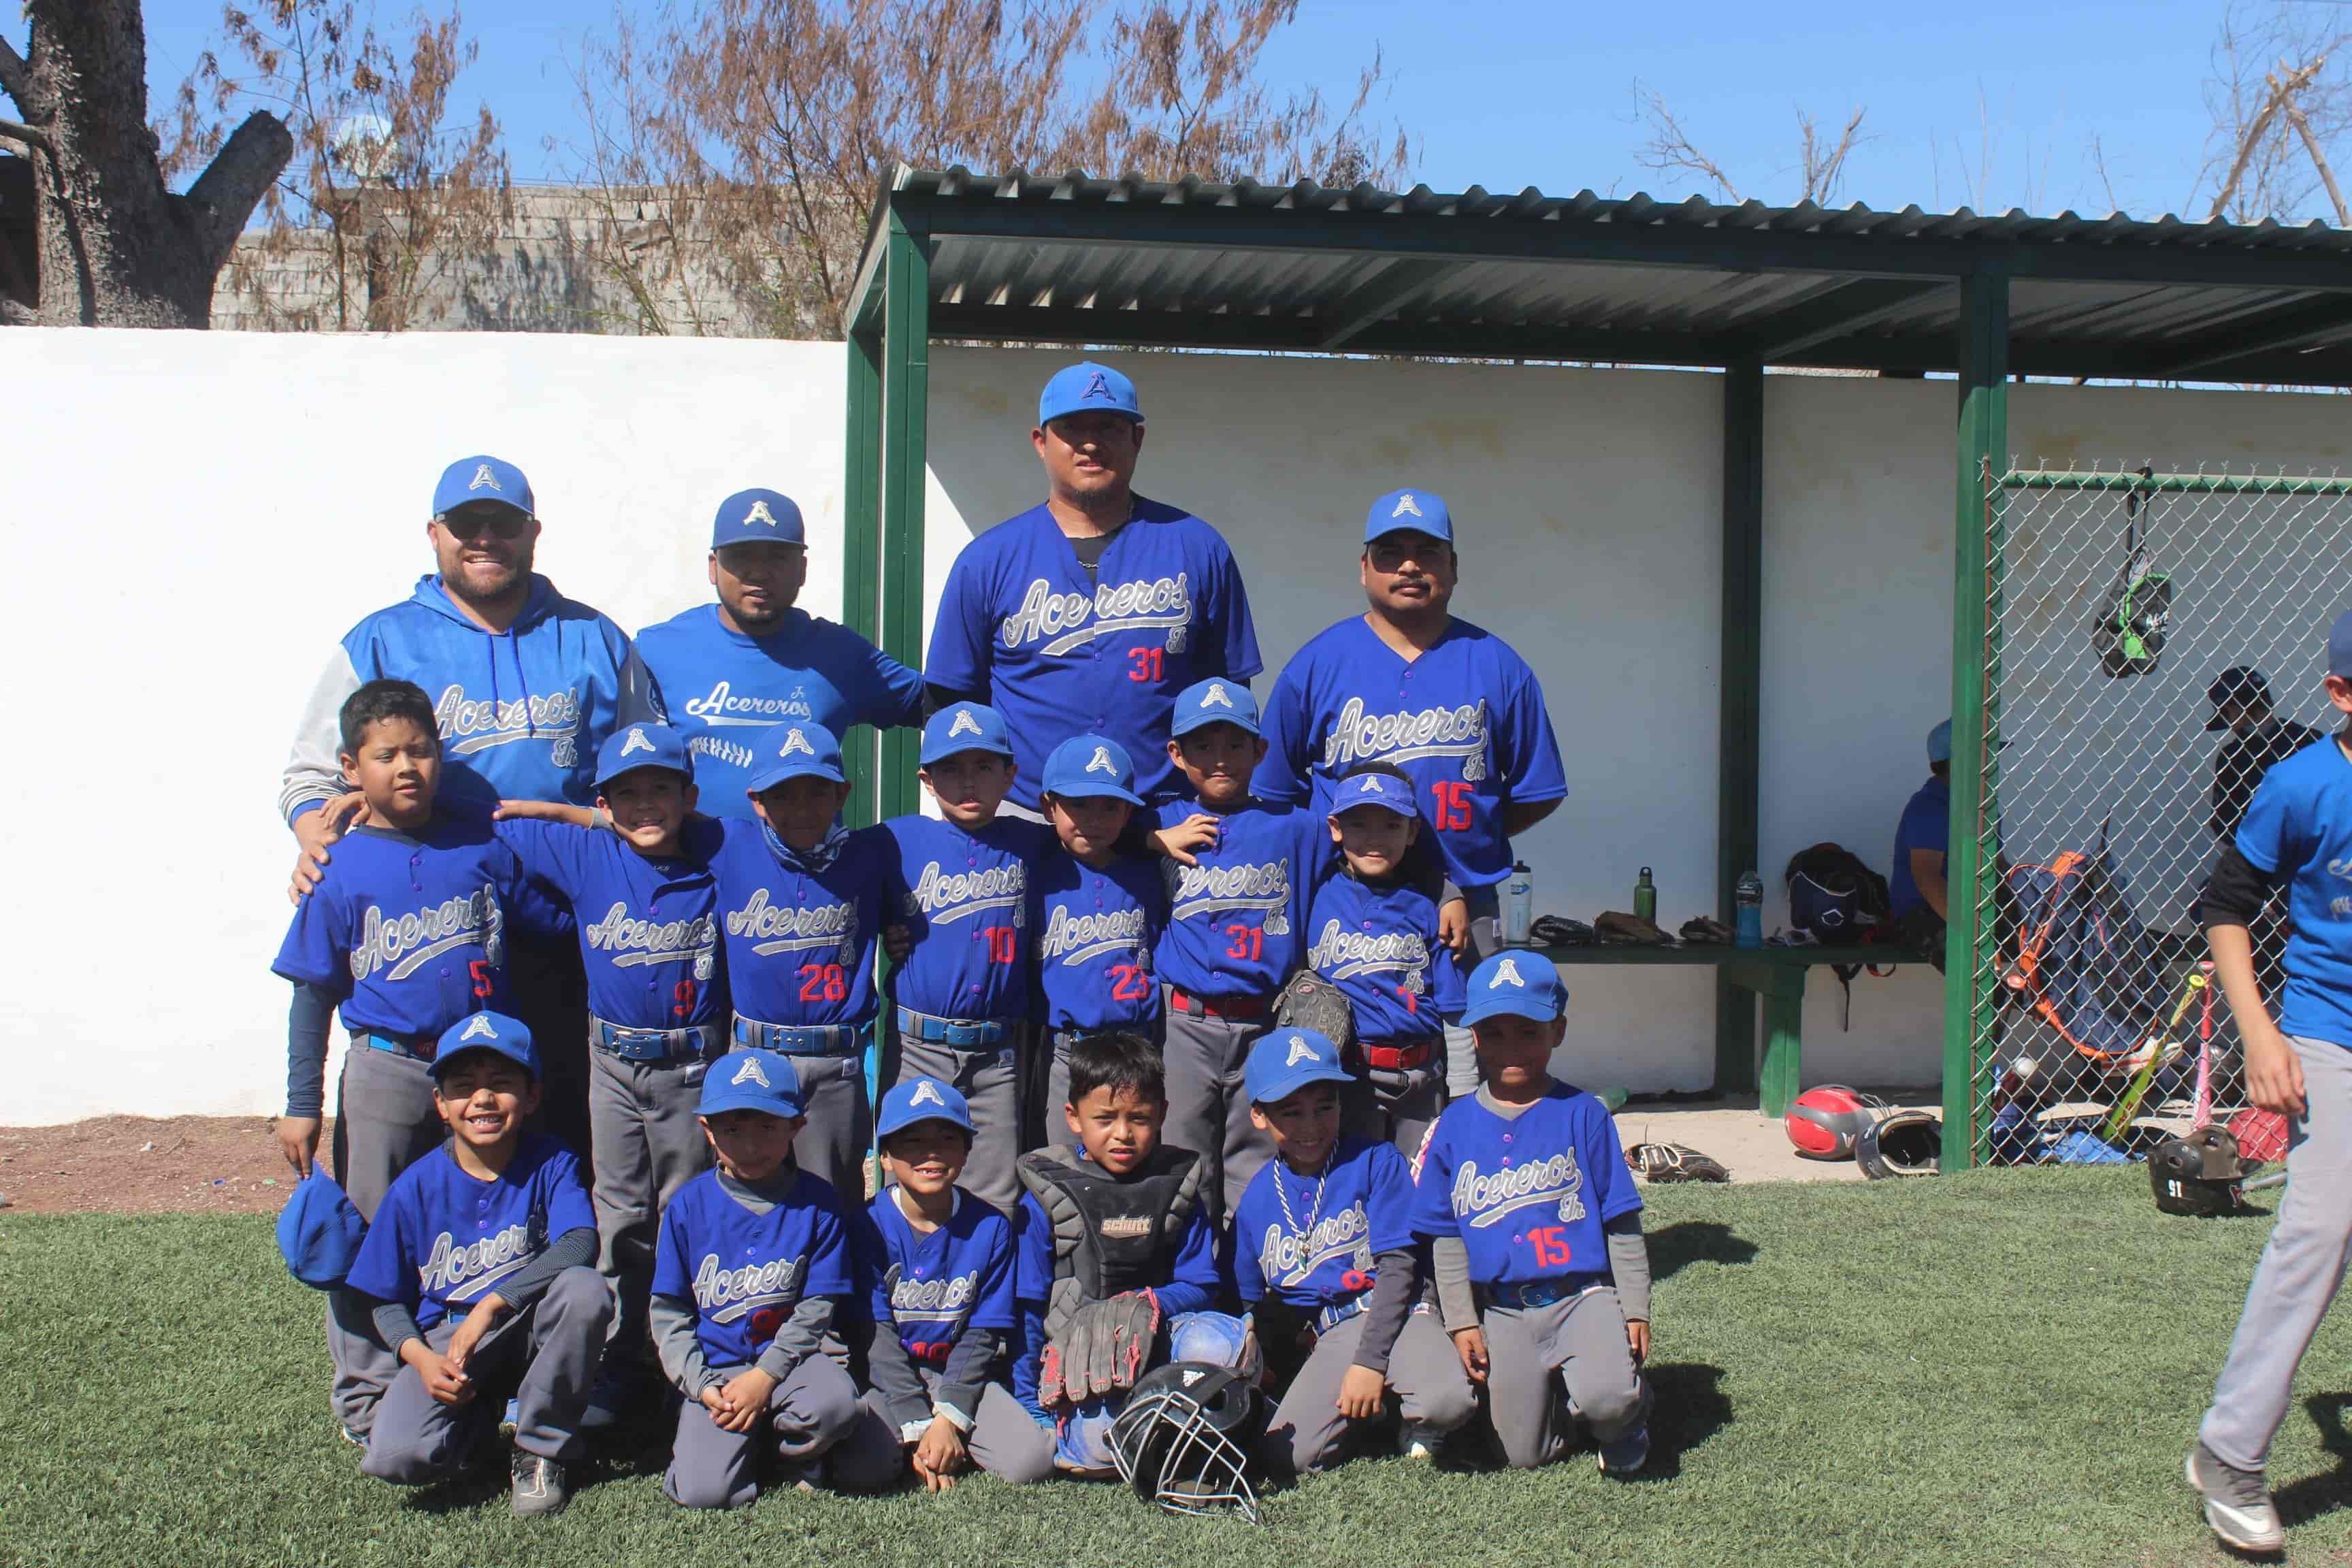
column 2312, row 1496
column 1673, row 1247
column 1691, row 1408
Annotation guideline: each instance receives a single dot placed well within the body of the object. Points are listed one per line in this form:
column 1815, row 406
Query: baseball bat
column 2126, row 1108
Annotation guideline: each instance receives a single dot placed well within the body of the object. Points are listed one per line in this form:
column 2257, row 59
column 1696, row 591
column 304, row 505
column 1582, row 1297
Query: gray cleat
column 539, row 1485
column 2237, row 1503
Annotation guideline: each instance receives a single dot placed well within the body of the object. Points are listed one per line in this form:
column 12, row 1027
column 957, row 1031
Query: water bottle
column 1519, row 905
column 1645, row 898
column 1747, row 910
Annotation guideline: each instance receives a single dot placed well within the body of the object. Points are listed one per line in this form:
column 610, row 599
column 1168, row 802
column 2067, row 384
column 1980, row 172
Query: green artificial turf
column 1998, row 1368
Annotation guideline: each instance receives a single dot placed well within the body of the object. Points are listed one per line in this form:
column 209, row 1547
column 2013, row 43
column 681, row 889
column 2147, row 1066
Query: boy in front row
column 1327, row 1260
column 481, row 1263
column 1116, row 1247
column 752, row 1262
column 1536, row 1234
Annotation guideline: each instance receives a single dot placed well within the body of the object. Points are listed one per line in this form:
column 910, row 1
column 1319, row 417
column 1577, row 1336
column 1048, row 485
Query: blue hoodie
column 522, row 711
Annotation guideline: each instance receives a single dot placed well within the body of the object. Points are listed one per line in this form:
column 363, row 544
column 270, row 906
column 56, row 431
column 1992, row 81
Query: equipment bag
column 2129, row 635
column 1837, row 901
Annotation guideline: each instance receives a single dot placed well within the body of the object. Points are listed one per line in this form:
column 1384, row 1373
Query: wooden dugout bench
column 1774, row 974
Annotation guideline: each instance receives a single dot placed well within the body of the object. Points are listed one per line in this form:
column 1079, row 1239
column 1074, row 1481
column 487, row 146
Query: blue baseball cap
column 1094, row 765
column 752, row 1080
column 921, row 1099
column 1215, row 701
column 481, row 478
column 492, row 1031
column 1525, row 983
column 752, row 517
column 1940, row 742
column 1088, row 388
column 795, row 750
column 1384, row 790
column 642, row 746
column 1288, row 1061
column 1422, row 512
column 319, row 1231
column 2340, row 646
column 964, row 727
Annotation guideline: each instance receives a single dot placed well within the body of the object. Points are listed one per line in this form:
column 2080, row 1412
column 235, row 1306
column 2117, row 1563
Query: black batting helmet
column 2197, row 1173
column 1184, row 1439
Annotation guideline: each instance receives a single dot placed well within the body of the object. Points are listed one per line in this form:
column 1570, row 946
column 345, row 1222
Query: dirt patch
column 136, row 1164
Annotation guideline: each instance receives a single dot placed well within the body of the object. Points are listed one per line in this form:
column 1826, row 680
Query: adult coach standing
column 525, row 684
column 1089, row 613
column 732, row 669
column 1448, row 702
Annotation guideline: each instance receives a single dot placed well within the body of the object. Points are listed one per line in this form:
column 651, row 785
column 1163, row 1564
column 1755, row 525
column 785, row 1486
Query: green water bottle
column 1645, row 898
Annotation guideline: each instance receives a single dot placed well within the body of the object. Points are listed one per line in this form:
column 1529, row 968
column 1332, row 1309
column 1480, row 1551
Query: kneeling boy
column 1118, row 1262
column 936, row 1267
column 752, row 1261
column 1536, row 1232
column 1326, row 1258
column 482, row 1261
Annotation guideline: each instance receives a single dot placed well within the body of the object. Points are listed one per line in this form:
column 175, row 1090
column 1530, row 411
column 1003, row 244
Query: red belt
column 1219, row 1006
column 1399, row 1059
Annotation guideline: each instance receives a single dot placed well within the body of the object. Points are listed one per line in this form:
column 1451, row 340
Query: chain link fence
column 2120, row 606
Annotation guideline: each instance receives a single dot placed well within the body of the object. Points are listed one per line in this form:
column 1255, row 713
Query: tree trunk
column 113, row 246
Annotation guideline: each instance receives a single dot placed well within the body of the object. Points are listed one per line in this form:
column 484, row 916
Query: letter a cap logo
column 484, row 1033
column 1301, row 1050
column 759, row 514
column 1101, row 762
column 756, row 517
column 481, row 480
column 757, row 1080
column 485, row 479
column 1405, row 504
column 749, row 1073
column 796, row 744
column 921, row 1099
column 963, row 724
column 1283, row 1063
column 636, row 742
column 1529, row 988
column 478, row 1028
column 1216, row 696
column 1417, row 511
column 964, row 727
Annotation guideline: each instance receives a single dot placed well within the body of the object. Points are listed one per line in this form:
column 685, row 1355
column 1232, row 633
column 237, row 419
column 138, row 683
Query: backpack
column 2085, row 964
column 1836, row 899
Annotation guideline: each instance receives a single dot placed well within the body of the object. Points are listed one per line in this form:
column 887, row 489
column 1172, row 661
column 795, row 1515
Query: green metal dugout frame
column 1633, row 281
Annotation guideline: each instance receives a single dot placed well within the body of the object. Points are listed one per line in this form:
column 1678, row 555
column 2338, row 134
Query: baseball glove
column 1674, row 1163
column 1102, row 1351
column 1311, row 1002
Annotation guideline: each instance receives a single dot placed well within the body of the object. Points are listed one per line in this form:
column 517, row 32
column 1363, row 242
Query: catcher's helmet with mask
column 1184, row 1439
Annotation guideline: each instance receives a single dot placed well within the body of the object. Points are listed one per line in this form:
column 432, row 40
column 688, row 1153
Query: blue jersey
column 934, row 1286
column 1527, row 1195
column 964, row 900
column 522, row 711
column 1096, row 929
column 1926, row 825
column 1234, row 920
column 443, row 1239
column 1378, row 947
column 648, row 929
column 1060, row 653
column 799, row 943
column 1311, row 1240
column 1465, row 722
column 720, row 686
column 2298, row 829
column 1194, row 1283
column 746, row 1272
column 410, row 934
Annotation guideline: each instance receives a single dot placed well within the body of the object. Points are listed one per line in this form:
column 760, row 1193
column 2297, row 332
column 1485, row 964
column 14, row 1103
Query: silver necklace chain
column 1315, row 1212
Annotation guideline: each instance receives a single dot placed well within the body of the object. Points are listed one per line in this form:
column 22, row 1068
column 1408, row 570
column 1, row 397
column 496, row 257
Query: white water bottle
column 1518, row 904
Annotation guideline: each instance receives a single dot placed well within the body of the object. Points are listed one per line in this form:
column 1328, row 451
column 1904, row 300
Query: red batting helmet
column 1825, row 1122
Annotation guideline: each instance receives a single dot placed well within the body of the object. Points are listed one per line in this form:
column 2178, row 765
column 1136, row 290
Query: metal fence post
column 906, row 397
column 1739, row 684
column 862, row 546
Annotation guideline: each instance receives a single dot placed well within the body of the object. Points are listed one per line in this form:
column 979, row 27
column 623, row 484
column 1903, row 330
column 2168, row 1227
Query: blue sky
column 1506, row 93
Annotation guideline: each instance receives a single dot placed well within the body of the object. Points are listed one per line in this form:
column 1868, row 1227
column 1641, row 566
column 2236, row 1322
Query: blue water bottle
column 1747, row 910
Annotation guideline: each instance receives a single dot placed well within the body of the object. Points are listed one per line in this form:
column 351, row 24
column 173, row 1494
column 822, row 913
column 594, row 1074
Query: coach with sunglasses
column 526, row 685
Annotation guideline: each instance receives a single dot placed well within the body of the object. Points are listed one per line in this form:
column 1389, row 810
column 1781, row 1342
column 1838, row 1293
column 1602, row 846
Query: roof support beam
column 1376, row 300
column 1840, row 312
column 2299, row 326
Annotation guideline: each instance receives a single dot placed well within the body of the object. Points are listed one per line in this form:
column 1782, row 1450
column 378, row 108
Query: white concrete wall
column 195, row 519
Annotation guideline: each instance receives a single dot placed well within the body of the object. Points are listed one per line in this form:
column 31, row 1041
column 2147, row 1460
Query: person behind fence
column 482, row 1264
column 406, row 932
column 936, row 1270
column 1536, row 1234
column 1326, row 1260
column 2259, row 741
column 1119, row 1267
column 2296, row 835
column 1916, row 892
column 1374, row 936
column 752, row 1264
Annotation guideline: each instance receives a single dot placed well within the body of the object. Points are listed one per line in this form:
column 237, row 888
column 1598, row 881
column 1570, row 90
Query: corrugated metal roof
column 1627, row 279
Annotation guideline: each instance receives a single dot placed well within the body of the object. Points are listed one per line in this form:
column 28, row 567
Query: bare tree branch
column 236, row 181
column 1822, row 168
column 29, row 135
column 2302, row 123
column 17, row 81
column 1670, row 147
column 2251, row 139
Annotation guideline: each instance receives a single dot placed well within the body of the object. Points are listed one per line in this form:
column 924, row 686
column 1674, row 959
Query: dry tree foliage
column 1820, row 158
column 2278, row 102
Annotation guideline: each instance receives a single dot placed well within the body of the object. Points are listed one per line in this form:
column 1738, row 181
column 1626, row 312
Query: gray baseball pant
column 1208, row 1110
column 1005, row 1440
column 648, row 1143
column 813, row 1409
column 555, row 1344
column 1461, row 1045
column 1427, row 1386
column 549, row 987
column 839, row 1132
column 384, row 1122
column 2301, row 1269
column 1533, row 1353
column 1367, row 1111
column 989, row 1081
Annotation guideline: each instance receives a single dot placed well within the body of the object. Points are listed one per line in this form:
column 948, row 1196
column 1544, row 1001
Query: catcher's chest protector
column 1109, row 1235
